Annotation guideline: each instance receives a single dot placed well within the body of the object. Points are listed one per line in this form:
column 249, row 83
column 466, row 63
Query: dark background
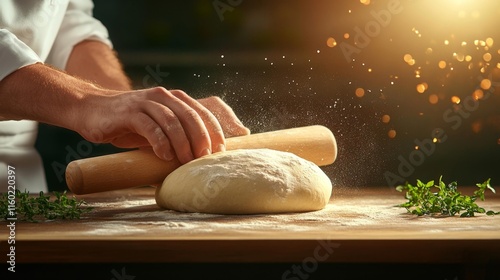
column 277, row 71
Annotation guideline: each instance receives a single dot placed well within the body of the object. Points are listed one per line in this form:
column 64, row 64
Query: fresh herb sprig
column 42, row 207
column 446, row 200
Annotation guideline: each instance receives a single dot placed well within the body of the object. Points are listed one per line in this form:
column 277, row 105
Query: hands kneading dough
column 250, row 181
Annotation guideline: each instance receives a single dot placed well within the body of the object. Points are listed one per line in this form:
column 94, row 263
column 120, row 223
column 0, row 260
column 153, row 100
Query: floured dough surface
column 249, row 181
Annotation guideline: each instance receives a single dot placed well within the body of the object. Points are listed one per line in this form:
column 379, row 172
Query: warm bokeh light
column 478, row 94
column 447, row 59
column 489, row 42
column 407, row 58
column 360, row 92
column 391, row 133
column 416, row 32
column 485, row 84
column 330, row 42
column 421, row 88
column 433, row 99
column 460, row 57
column 487, row 57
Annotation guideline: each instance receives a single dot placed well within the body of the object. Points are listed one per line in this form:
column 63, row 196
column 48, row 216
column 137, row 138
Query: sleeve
column 78, row 25
column 14, row 54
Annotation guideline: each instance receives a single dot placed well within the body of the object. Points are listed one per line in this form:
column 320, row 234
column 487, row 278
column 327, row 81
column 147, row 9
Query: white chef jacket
column 34, row 31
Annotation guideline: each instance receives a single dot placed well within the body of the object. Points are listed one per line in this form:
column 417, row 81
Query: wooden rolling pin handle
column 143, row 167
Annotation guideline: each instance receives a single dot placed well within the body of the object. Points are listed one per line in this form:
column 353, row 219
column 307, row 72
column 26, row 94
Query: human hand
column 229, row 122
column 173, row 123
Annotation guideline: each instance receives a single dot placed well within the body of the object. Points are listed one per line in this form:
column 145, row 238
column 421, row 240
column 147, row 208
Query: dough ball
column 250, row 181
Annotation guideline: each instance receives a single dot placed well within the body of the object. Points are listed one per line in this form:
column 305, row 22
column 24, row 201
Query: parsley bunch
column 33, row 208
column 429, row 199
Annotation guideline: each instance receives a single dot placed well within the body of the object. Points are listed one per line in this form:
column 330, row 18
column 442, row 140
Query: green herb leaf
column 42, row 207
column 446, row 200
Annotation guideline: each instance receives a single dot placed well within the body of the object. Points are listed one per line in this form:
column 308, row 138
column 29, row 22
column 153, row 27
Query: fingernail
column 221, row 148
column 168, row 156
column 206, row 152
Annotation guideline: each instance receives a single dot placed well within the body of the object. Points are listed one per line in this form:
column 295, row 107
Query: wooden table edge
column 262, row 251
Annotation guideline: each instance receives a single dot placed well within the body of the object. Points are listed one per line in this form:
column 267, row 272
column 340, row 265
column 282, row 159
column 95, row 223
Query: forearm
column 38, row 92
column 96, row 62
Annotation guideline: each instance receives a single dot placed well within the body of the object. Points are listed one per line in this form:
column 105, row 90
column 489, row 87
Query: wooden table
column 359, row 226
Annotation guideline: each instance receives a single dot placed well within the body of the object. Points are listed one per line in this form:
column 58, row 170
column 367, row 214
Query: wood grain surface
column 358, row 225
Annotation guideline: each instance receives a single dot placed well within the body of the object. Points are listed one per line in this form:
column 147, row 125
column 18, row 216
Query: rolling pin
column 142, row 167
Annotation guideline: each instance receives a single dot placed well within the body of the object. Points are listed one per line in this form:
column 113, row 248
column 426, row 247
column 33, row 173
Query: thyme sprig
column 42, row 207
column 441, row 199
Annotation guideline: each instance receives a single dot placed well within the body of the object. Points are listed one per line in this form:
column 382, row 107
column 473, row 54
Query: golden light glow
column 455, row 99
column 360, row 92
column 330, row 42
column 433, row 99
column 489, row 42
column 485, row 84
column 461, row 55
column 419, row 35
column 407, row 57
column 487, row 57
column 478, row 94
column 391, row 133
column 421, row 88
